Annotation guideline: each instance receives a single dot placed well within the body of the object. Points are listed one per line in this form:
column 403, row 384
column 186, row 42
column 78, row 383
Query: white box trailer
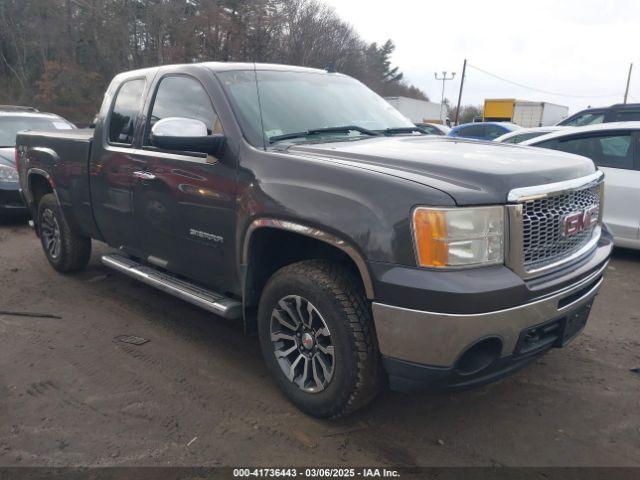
column 524, row 113
column 538, row 114
column 418, row 111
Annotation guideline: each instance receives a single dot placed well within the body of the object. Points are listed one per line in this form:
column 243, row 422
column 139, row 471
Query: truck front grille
column 542, row 222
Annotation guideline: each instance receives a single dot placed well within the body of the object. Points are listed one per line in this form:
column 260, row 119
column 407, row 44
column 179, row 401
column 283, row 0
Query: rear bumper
column 431, row 350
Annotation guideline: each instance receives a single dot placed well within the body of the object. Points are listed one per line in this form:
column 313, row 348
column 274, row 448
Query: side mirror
column 185, row 135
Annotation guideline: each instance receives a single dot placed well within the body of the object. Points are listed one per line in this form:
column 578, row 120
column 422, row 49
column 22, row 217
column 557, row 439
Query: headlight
column 458, row 237
column 8, row 174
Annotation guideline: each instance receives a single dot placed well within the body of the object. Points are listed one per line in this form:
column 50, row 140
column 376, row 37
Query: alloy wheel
column 50, row 231
column 302, row 344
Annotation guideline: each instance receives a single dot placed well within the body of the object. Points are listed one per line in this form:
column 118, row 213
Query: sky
column 580, row 49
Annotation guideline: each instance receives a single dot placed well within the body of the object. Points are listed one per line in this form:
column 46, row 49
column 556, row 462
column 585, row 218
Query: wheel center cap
column 307, row 341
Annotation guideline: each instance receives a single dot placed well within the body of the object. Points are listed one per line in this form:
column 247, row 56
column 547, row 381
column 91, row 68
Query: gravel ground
column 197, row 392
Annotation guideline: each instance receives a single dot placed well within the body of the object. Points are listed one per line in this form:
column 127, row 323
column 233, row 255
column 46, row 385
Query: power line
column 538, row 89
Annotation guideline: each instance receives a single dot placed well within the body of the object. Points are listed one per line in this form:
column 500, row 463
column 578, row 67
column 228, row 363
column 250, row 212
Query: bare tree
column 59, row 54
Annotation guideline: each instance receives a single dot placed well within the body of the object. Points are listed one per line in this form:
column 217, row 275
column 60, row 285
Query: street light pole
column 464, row 70
column 626, row 91
column 444, row 78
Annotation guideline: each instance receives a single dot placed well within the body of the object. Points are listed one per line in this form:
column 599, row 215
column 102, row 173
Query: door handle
column 144, row 175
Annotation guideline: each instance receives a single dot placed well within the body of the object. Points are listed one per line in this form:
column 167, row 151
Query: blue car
column 483, row 130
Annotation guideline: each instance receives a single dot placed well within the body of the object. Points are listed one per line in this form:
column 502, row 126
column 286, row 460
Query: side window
column 493, row 131
column 627, row 116
column 551, row 144
column 126, row 107
column 528, row 136
column 615, row 151
column 514, row 139
column 183, row 97
column 472, row 131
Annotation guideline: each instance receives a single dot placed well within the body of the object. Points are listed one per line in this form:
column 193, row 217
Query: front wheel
column 65, row 250
column 317, row 338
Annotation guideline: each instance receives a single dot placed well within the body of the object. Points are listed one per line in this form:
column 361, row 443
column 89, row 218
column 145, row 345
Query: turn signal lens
column 457, row 237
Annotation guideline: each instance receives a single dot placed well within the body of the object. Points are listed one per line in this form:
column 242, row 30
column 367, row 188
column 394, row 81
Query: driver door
column 184, row 202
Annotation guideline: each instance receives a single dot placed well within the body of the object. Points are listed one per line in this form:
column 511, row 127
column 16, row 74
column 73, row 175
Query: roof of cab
column 231, row 66
column 226, row 67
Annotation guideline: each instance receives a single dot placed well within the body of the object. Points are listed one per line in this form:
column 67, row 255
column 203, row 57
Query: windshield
column 302, row 102
column 10, row 126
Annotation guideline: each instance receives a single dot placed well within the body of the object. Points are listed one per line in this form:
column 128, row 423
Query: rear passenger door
column 616, row 154
column 113, row 161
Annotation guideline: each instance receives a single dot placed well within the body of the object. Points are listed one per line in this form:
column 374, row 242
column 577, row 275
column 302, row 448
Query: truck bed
column 64, row 157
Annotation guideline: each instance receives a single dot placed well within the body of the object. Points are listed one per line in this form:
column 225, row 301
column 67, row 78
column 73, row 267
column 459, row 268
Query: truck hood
column 7, row 156
column 472, row 172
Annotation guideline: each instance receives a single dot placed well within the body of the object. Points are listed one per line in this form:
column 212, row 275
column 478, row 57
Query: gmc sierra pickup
column 360, row 250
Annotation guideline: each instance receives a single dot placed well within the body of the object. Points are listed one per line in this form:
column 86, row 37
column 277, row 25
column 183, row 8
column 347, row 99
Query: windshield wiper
column 393, row 131
column 315, row 131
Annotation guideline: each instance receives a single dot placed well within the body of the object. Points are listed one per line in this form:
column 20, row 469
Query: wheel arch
column 39, row 184
column 296, row 242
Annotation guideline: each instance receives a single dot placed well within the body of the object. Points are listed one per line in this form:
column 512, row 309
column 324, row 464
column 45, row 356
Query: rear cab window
column 126, row 108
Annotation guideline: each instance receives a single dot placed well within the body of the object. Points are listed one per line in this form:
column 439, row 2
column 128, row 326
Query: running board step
column 211, row 301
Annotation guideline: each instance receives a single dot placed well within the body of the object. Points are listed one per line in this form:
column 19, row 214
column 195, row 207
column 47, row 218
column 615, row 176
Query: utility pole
column 444, row 78
column 464, row 70
column 626, row 92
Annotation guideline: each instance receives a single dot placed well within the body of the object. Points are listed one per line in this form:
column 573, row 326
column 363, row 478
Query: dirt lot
column 197, row 393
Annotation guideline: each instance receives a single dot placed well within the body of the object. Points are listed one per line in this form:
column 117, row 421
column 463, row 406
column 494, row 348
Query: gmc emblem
column 575, row 223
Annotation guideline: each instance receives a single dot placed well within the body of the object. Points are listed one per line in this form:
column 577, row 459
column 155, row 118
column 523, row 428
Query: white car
column 434, row 128
column 519, row 136
column 615, row 149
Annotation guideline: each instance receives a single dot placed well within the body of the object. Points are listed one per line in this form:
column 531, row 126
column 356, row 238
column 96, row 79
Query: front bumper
column 427, row 349
column 10, row 199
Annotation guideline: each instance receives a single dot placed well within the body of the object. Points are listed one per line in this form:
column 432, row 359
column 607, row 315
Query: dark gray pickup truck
column 297, row 201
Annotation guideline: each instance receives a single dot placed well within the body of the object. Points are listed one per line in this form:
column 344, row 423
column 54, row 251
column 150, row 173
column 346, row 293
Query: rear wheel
column 317, row 338
column 65, row 250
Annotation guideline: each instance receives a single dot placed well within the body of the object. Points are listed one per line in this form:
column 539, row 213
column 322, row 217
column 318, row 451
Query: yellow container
column 498, row 109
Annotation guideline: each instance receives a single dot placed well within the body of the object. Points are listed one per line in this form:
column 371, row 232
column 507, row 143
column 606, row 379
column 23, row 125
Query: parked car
column 434, row 128
column 615, row 149
column 483, row 130
column 622, row 112
column 518, row 136
column 322, row 219
column 12, row 120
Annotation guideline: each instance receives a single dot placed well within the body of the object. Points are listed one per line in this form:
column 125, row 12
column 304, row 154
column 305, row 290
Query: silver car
column 615, row 149
column 524, row 134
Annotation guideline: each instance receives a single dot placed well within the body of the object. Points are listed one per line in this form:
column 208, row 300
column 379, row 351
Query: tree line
column 59, row 55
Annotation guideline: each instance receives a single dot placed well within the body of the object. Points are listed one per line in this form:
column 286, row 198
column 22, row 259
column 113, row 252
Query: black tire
column 339, row 302
column 73, row 251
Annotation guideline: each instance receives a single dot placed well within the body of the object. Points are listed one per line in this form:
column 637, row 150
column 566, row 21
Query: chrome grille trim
column 519, row 195
column 535, row 243
column 543, row 239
